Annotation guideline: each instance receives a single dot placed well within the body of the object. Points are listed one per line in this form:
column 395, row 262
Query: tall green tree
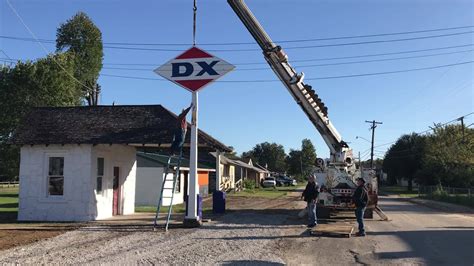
column 31, row 84
column 301, row 162
column 81, row 37
column 404, row 158
column 271, row 154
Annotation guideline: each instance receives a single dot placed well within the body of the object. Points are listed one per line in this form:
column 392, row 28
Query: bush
column 249, row 184
column 439, row 193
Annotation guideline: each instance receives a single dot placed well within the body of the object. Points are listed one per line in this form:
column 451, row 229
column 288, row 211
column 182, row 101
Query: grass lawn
column 271, row 193
column 8, row 204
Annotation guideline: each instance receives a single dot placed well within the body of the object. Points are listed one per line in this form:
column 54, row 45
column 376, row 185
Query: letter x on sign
column 194, row 69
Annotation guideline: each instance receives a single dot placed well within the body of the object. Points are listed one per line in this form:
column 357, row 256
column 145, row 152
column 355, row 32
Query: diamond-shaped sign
column 194, row 69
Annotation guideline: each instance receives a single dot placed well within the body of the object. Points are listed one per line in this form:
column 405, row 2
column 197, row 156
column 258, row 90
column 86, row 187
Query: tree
column 31, row 84
column 449, row 157
column 82, row 38
column 301, row 162
column 270, row 154
column 294, row 163
column 404, row 158
column 308, row 155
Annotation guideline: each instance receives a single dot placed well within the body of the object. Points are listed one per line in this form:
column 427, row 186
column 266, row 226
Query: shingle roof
column 125, row 124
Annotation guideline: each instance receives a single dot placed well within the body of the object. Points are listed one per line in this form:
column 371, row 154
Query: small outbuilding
column 79, row 163
column 149, row 180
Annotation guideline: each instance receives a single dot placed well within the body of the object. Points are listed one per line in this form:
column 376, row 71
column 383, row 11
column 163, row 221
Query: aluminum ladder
column 173, row 189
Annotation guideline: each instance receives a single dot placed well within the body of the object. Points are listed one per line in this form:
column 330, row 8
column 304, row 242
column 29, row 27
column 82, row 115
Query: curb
column 443, row 206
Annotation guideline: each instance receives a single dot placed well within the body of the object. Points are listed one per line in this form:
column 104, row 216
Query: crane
column 304, row 94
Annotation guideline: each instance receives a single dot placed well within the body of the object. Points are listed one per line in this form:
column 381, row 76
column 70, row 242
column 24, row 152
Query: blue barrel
column 218, row 202
column 199, row 206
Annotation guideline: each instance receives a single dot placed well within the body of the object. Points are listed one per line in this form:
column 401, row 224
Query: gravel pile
column 239, row 238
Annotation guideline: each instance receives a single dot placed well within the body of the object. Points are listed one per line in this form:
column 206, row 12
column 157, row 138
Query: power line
column 106, row 46
column 296, row 47
column 428, row 130
column 313, row 59
column 318, row 65
column 42, row 46
column 252, row 43
column 319, row 78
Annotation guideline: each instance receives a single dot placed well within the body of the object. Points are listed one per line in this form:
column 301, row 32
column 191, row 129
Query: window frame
column 49, row 174
column 99, row 174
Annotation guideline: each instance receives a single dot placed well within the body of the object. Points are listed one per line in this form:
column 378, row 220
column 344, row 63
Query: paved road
column 415, row 235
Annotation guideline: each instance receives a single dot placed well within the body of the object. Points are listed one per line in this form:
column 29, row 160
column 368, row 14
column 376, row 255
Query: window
column 100, row 174
column 226, row 170
column 56, row 176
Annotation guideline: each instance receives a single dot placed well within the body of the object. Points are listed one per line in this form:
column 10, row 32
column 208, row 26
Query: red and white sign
column 194, row 69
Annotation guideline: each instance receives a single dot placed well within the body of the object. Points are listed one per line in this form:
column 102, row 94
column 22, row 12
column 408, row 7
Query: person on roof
column 180, row 131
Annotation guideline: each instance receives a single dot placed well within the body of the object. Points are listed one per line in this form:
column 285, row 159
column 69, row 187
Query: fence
column 464, row 196
column 9, row 184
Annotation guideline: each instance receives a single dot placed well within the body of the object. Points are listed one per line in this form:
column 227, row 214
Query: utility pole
column 462, row 126
column 374, row 125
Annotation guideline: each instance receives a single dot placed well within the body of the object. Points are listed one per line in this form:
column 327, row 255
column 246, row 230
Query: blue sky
column 242, row 114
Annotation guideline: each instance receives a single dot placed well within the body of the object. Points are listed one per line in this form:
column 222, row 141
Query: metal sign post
column 192, row 216
column 193, row 70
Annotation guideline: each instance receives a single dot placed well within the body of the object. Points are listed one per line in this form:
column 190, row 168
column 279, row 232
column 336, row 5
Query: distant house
column 79, row 163
column 149, row 179
column 225, row 173
column 248, row 171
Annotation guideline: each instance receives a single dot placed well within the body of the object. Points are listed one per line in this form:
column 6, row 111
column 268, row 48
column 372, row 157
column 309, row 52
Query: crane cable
column 194, row 22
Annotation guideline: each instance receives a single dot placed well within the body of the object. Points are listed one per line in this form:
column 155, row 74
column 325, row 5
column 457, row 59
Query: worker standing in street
column 310, row 195
column 360, row 199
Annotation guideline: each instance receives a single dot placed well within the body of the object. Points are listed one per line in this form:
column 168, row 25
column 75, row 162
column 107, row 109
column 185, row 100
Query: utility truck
column 336, row 175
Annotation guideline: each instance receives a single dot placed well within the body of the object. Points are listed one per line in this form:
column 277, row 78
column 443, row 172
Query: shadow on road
column 423, row 243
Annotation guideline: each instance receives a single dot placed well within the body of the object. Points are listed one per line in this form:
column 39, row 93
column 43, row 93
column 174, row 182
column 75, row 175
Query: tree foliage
column 268, row 154
column 80, row 37
column 31, row 84
column 404, row 158
column 301, row 162
column 443, row 157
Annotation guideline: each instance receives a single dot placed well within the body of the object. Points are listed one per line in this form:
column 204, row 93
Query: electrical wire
column 317, row 65
column 42, row 46
column 253, row 43
column 319, row 78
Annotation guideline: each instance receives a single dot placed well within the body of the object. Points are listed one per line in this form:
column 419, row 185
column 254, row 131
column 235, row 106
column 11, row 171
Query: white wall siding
column 80, row 201
column 120, row 156
column 34, row 202
column 148, row 187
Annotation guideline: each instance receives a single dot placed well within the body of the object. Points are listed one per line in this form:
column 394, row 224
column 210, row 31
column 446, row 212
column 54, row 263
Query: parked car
column 269, row 182
column 285, row 181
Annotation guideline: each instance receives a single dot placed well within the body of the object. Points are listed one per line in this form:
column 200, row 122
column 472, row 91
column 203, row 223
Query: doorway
column 116, row 193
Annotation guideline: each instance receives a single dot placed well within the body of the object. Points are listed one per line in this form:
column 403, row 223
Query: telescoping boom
column 303, row 93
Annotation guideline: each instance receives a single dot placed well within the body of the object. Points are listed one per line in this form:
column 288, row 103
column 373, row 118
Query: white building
column 79, row 163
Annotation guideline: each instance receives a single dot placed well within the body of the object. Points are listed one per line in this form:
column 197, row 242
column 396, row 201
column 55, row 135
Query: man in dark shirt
column 360, row 199
column 180, row 131
column 310, row 195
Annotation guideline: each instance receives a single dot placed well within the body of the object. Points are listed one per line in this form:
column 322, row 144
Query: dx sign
column 186, row 69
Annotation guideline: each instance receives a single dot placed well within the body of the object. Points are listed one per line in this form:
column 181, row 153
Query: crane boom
column 303, row 93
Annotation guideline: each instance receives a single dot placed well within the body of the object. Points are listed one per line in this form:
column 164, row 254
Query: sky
column 241, row 112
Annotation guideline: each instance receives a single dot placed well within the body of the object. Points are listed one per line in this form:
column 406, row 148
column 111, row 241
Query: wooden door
column 116, row 187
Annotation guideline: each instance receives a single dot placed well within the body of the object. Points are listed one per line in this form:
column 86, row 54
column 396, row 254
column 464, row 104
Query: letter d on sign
column 177, row 67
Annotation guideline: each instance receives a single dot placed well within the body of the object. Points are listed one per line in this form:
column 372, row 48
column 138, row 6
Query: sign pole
column 191, row 218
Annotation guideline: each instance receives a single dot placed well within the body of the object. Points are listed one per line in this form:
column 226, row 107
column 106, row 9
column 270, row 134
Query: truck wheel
column 369, row 213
